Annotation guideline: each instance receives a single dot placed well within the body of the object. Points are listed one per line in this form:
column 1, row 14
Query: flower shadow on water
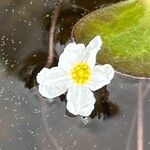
column 31, row 66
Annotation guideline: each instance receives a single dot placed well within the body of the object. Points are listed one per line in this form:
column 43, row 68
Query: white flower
column 77, row 75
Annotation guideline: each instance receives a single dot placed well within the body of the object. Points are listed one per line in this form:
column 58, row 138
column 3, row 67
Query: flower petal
column 93, row 47
column 71, row 55
column 102, row 75
column 80, row 100
column 94, row 44
column 52, row 82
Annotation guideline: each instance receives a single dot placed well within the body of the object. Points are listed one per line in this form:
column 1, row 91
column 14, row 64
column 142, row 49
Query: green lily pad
column 125, row 30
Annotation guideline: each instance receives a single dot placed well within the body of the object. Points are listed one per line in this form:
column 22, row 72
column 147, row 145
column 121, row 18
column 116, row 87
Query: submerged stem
column 140, row 119
column 51, row 52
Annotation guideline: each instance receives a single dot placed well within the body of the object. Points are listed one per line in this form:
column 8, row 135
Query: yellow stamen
column 81, row 73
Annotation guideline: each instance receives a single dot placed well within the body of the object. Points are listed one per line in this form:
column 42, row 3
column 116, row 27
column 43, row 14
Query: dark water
column 30, row 122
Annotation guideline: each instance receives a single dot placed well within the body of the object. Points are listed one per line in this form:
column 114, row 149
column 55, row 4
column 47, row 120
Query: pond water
column 120, row 120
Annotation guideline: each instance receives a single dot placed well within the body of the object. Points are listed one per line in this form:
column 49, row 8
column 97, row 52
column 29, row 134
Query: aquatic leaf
column 125, row 30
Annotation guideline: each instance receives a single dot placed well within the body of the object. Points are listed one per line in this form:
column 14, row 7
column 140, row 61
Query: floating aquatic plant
column 77, row 75
column 125, row 30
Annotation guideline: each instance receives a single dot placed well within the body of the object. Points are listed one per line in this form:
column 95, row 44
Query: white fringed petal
column 45, row 73
column 102, row 75
column 80, row 100
column 72, row 54
column 51, row 91
column 52, row 82
column 92, row 49
column 73, row 47
column 94, row 44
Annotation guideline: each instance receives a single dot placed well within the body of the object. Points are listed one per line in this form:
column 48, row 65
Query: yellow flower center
column 81, row 73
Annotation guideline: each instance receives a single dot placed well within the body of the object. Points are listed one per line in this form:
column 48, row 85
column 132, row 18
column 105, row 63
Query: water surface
column 30, row 122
